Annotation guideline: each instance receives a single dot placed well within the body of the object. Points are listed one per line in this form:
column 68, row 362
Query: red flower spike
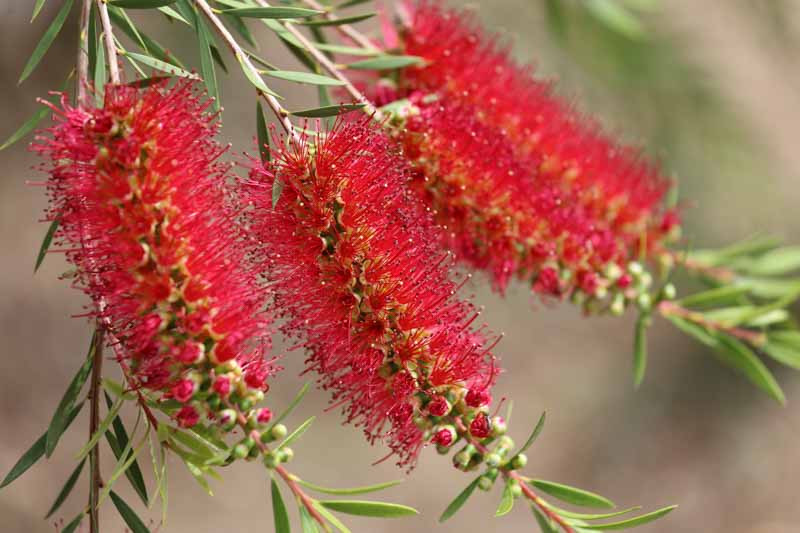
column 518, row 179
column 139, row 193
column 357, row 273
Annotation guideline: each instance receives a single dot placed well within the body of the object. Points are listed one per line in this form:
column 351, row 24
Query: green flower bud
column 499, row 426
column 286, row 454
column 519, row 461
column 617, row 307
column 493, row 460
column 484, row 483
column 240, row 451
column 644, row 301
column 516, row 490
column 462, row 458
column 505, row 442
column 278, row 431
column 669, row 292
column 635, row 269
column 645, row 280
column 271, row 460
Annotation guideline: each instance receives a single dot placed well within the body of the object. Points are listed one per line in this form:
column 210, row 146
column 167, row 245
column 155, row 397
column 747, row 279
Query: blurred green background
column 710, row 88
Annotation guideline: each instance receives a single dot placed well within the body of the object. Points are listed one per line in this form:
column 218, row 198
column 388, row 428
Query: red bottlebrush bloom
column 520, row 181
column 359, row 276
column 139, row 193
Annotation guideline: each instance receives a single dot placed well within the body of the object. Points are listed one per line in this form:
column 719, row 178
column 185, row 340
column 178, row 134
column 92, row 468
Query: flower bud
column 227, row 419
column 618, row 305
column 669, row 292
column 493, row 460
column 516, row 490
column 286, row 454
column 445, row 436
column 480, row 428
column 477, row 398
column 439, row 406
column 278, row 431
column 519, row 461
column 271, row 460
column 485, row 483
column 635, row 269
column 240, row 451
column 505, row 442
column 499, row 426
column 644, row 301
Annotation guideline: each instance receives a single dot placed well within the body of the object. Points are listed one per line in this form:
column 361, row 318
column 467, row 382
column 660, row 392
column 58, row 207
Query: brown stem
column 108, row 39
column 95, row 481
column 329, row 67
column 81, row 94
column 670, row 308
column 241, row 56
column 344, row 29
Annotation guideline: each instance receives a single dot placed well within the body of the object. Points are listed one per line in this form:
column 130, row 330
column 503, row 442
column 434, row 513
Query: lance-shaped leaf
column 262, row 134
column 145, row 42
column 297, row 433
column 161, row 65
column 728, row 294
column 66, row 489
column 277, row 189
column 272, row 12
column 255, row 77
column 47, row 39
column 102, row 428
column 616, row 17
column 640, row 349
column 740, row 357
column 387, row 62
column 119, row 441
column 506, row 501
column 205, row 40
column 308, row 524
column 37, row 8
column 545, row 524
column 140, row 4
column 631, row 522
column 351, row 491
column 67, row 403
column 784, row 346
column 459, row 500
column 339, row 21
column 303, row 77
column 99, row 73
column 171, row 13
column 74, row 523
column 330, row 517
column 327, row 111
column 48, row 238
column 279, row 514
column 130, row 517
column 35, row 452
column 369, row 508
column 572, row 495
column 535, row 433
column 295, row 401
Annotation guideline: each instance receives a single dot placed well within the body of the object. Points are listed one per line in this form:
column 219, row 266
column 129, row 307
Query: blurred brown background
column 710, row 87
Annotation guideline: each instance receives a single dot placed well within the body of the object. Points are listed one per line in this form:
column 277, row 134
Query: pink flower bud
column 439, row 406
column 480, row 428
column 263, row 415
column 184, row 390
column 222, row 386
column 187, row 416
column 477, row 398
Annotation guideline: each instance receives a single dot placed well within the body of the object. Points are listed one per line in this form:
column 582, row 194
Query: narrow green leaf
column 241, row 28
column 37, row 8
column 99, row 73
column 128, row 515
column 279, row 514
column 346, row 50
column 616, row 17
column 330, row 517
column 126, row 459
column 194, row 443
column 35, row 452
column 594, row 516
column 351, row 491
column 535, row 433
column 337, row 22
column 66, row 489
column 369, row 508
column 67, row 403
column 572, row 495
column 506, row 501
column 171, row 13
column 205, row 39
column 297, row 433
column 161, row 65
column 632, row 522
column 296, row 400
column 308, row 524
column 351, row 3
column 387, row 62
column 48, row 238
column 198, row 475
column 327, row 111
column 255, row 78
column 47, row 39
column 104, row 425
column 145, row 42
column 693, row 330
column 27, row 127
column 776, row 262
column 726, row 294
column 272, row 12
column 459, row 500
column 120, row 441
column 74, row 523
column 740, row 357
column 140, row 4
column 640, row 349
column 262, row 134
column 303, row 77
column 544, row 523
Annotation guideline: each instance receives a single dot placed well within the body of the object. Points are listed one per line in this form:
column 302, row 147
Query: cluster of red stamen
column 139, row 195
column 359, row 276
column 521, row 182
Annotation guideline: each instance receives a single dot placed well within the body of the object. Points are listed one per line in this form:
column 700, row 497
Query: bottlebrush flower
column 523, row 183
column 358, row 275
column 139, row 193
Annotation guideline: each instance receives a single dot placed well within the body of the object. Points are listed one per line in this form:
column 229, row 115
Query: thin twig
column 81, row 93
column 326, row 63
column 241, row 56
column 669, row 308
column 344, row 29
column 108, row 39
column 95, row 481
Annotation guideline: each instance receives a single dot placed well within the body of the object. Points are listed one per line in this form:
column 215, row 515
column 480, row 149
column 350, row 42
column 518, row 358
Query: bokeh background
column 711, row 88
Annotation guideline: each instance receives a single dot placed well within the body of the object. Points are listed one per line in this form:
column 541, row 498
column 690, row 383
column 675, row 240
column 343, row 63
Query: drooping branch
column 239, row 53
